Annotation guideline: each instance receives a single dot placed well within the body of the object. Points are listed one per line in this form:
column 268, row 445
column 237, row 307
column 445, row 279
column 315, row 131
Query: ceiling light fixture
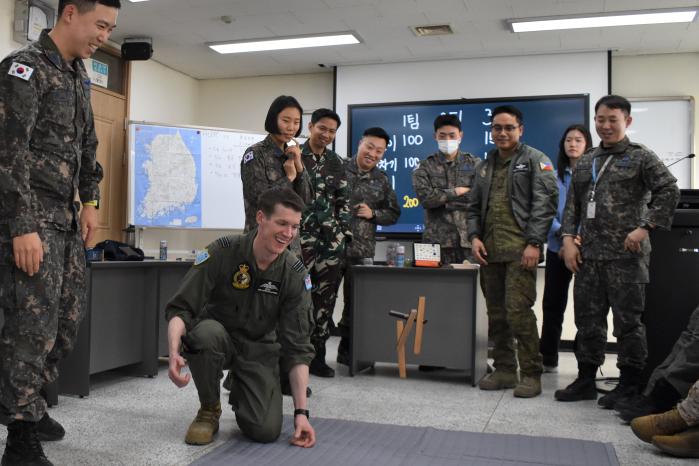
column 621, row 18
column 298, row 42
column 137, row 1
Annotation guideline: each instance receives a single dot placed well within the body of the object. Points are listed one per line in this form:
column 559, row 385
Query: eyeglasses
column 506, row 128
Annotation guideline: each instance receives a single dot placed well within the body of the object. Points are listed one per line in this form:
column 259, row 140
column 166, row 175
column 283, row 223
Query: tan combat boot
column 685, row 444
column 529, row 387
column 202, row 429
column 667, row 423
column 498, row 380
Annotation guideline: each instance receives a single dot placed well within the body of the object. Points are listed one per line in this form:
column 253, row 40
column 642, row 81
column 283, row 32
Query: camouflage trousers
column 326, row 274
column 455, row 255
column 619, row 284
column 42, row 318
column 681, row 367
column 345, row 323
column 510, row 292
column 689, row 407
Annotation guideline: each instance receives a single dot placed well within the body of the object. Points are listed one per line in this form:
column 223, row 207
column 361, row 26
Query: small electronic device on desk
column 426, row 255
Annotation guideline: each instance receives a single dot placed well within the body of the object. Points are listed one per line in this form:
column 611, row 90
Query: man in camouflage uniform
column 373, row 202
column 671, row 380
column 245, row 306
column 325, row 227
column 676, row 431
column 47, row 155
column 276, row 162
column 442, row 183
column 513, row 202
column 619, row 192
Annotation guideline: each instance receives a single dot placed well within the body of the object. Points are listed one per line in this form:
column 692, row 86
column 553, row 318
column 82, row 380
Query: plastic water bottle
column 163, row 250
column 391, row 252
column 400, row 256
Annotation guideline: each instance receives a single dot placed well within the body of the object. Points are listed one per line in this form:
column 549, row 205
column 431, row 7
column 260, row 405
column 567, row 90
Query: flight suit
column 246, row 320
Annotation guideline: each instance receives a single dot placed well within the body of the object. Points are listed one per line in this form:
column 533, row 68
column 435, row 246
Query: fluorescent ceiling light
column 344, row 38
column 627, row 18
column 137, row 1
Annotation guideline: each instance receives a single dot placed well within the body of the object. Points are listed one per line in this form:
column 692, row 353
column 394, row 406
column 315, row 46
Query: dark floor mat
column 355, row 443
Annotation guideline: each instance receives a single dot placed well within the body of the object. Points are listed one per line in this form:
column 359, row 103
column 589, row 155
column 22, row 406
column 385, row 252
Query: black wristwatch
column 305, row 412
column 533, row 242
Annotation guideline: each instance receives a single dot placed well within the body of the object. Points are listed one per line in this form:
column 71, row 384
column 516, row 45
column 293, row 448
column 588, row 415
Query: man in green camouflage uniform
column 442, row 183
column 325, row 227
column 245, row 306
column 47, row 156
column 619, row 192
column 513, row 202
column 373, row 202
column 275, row 162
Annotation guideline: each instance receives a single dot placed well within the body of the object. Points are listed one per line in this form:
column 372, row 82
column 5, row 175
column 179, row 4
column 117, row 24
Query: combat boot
column 685, row 444
column 49, row 429
column 203, row 428
column 582, row 388
column 23, row 447
column 529, row 387
column 667, row 423
column 662, row 398
column 498, row 380
column 628, row 387
column 318, row 366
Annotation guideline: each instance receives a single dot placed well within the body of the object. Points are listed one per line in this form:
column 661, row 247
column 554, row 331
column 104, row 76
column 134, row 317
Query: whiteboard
column 186, row 177
column 665, row 125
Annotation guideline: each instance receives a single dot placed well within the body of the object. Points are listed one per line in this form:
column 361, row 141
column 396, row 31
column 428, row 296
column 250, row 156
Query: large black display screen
column 410, row 126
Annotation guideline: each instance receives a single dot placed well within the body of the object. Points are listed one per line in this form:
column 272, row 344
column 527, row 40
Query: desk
column 455, row 336
column 124, row 324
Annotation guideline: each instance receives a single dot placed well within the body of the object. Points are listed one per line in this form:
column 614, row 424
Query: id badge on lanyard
column 591, row 204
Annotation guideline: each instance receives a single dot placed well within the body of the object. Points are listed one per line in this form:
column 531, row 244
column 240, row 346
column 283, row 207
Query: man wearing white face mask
column 442, row 183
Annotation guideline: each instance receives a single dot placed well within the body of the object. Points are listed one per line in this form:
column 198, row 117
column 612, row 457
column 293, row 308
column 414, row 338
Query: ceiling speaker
column 138, row 49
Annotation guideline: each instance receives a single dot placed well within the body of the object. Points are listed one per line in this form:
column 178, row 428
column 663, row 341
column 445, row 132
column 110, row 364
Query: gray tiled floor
column 134, row 421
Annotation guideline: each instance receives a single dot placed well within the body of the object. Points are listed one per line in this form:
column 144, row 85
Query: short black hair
column 278, row 105
column 563, row 159
column 86, row 5
column 446, row 120
column 614, row 101
column 377, row 132
column 325, row 113
column 510, row 109
column 269, row 199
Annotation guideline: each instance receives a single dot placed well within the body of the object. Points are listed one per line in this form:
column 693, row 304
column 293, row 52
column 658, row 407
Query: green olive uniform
column 248, row 321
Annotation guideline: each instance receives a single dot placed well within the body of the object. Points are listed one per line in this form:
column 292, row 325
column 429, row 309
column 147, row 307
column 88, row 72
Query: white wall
column 7, row 45
column 161, row 94
column 666, row 75
column 572, row 73
column 242, row 103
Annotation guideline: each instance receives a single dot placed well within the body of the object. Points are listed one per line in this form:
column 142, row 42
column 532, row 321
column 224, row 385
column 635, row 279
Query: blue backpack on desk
column 117, row 251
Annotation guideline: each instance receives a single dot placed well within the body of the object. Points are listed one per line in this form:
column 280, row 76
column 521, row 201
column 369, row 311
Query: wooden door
column 109, row 109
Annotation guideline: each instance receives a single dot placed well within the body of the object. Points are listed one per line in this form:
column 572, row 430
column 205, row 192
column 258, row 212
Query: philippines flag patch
column 546, row 166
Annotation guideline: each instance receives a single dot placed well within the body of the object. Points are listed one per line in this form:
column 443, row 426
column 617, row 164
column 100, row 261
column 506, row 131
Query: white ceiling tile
column 181, row 29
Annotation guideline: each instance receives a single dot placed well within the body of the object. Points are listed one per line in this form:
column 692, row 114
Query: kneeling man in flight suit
column 245, row 305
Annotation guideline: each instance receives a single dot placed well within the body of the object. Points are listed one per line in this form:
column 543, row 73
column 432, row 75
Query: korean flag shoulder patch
column 249, row 155
column 21, row 71
column 307, row 282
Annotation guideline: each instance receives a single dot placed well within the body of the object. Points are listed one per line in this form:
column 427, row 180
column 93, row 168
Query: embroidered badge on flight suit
column 241, row 279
